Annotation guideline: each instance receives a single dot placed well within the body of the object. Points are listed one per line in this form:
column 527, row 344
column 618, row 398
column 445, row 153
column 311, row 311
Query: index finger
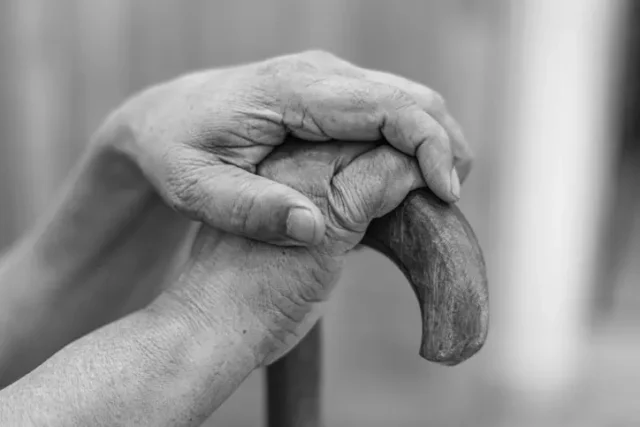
column 431, row 102
column 351, row 109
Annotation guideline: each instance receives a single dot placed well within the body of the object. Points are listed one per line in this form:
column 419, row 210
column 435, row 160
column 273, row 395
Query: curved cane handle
column 438, row 252
column 436, row 249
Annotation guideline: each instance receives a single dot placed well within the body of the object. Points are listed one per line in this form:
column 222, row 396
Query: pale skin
column 172, row 267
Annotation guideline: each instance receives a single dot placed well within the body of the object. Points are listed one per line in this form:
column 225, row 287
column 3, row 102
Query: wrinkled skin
column 188, row 149
column 351, row 184
column 199, row 138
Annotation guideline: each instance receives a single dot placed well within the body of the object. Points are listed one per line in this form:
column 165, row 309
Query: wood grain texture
column 435, row 247
column 437, row 250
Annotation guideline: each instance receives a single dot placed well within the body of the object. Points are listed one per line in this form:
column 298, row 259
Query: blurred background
column 548, row 92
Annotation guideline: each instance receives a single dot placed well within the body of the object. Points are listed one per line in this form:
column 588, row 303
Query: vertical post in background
column 39, row 84
column 294, row 385
column 554, row 173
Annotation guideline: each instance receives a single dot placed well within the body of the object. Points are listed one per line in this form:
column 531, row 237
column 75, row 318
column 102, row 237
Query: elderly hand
column 110, row 244
column 199, row 138
column 112, row 241
column 239, row 305
column 267, row 295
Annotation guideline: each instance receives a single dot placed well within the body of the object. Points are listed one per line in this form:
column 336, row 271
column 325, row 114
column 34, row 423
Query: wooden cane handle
column 436, row 249
column 438, row 252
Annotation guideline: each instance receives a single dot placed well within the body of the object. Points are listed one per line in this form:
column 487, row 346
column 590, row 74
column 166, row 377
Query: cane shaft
column 294, row 385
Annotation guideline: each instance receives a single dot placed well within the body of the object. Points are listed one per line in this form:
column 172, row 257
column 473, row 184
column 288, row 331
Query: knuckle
column 348, row 208
column 437, row 135
column 437, row 101
column 283, row 67
column 182, row 195
column 399, row 98
column 357, row 96
column 182, row 181
column 293, row 66
column 272, row 67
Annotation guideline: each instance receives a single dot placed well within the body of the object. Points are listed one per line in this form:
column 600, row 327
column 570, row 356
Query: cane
column 432, row 243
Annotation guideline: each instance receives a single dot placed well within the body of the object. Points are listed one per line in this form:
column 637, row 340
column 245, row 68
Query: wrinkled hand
column 281, row 288
column 198, row 139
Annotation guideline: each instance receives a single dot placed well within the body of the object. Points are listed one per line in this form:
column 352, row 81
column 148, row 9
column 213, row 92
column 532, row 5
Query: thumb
column 374, row 184
column 232, row 199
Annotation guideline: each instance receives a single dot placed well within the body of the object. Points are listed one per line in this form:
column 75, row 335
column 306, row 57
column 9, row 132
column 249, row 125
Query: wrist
column 254, row 336
column 218, row 293
column 200, row 367
column 203, row 335
column 147, row 366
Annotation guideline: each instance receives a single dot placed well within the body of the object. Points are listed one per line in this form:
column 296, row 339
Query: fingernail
column 455, row 184
column 301, row 225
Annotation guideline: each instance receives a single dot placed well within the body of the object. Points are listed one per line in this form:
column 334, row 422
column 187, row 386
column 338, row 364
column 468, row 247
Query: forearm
column 65, row 278
column 147, row 369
